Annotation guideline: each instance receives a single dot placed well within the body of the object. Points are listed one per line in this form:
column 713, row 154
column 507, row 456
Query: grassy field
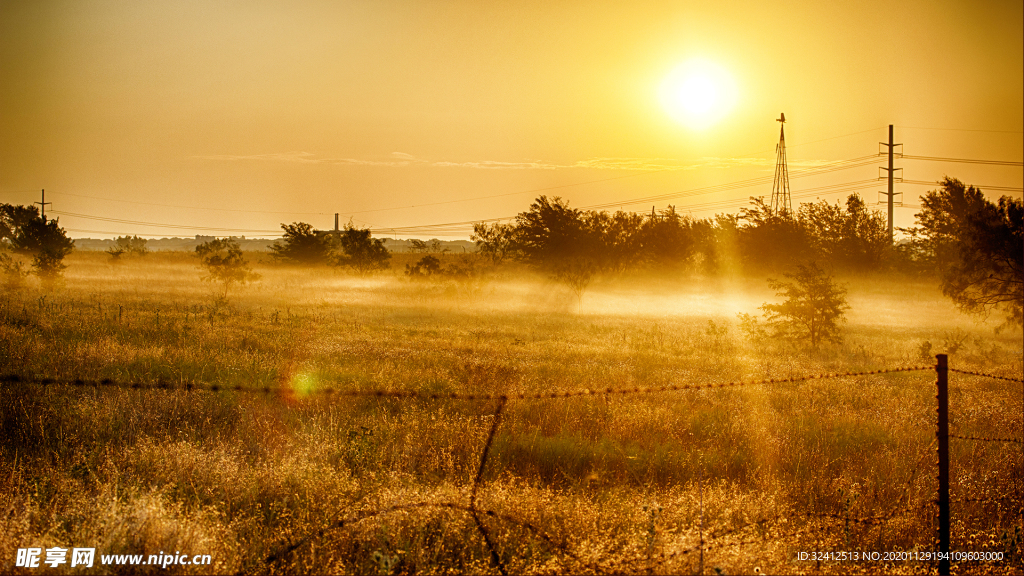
column 621, row 483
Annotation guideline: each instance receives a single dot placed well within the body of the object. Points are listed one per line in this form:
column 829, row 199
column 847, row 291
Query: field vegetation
column 603, row 483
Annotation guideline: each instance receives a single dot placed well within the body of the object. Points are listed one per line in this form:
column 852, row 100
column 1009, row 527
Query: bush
column 130, row 245
column 430, row 267
column 427, row 266
column 13, row 271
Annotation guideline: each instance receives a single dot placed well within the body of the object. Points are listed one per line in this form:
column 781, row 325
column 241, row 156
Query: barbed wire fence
column 942, row 500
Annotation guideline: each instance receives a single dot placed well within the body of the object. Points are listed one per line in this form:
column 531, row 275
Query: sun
column 698, row 94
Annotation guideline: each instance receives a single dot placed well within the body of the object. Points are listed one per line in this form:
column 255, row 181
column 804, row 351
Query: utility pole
column 780, row 188
column 890, row 194
column 43, row 204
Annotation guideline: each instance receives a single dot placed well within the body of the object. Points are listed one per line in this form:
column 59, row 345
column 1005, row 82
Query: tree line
column 553, row 236
column 972, row 245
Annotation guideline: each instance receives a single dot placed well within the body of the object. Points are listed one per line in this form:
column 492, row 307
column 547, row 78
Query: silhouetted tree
column 496, row 241
column 617, row 241
column 766, row 240
column 28, row 234
column 854, row 237
column 356, row 249
column 976, row 246
column 13, row 217
column 302, row 244
column 577, row 275
column 669, row 239
column 551, row 233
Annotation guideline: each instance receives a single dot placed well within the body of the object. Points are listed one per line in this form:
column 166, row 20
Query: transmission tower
column 781, row 203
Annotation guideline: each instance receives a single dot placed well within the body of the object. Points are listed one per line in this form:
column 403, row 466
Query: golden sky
column 242, row 115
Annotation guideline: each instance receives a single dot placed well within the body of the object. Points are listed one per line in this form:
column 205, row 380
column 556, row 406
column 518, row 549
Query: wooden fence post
column 942, row 434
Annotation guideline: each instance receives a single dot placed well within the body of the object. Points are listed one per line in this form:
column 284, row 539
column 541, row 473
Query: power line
column 963, row 130
column 453, row 228
column 979, row 186
column 159, row 225
column 460, row 227
column 535, row 190
column 188, row 207
column 456, row 227
column 963, row 160
column 124, row 233
column 824, row 169
column 806, row 193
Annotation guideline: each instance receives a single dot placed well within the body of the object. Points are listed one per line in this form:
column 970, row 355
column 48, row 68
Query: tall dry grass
column 618, row 483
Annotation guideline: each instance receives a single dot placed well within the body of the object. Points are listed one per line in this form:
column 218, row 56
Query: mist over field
column 593, row 483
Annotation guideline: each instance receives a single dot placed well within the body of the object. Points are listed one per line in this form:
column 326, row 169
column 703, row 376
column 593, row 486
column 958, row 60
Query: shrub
column 427, row 266
column 130, row 245
column 13, row 271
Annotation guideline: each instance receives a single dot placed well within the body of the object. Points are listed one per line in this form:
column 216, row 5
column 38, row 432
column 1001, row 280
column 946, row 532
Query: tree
column 361, row 252
column 302, row 244
column 225, row 263
column 44, row 241
column 854, row 237
column 577, row 276
column 976, row 246
column 767, row 240
column 668, row 239
column 496, row 241
column 551, row 233
column 814, row 306
column 615, row 242
column 13, row 217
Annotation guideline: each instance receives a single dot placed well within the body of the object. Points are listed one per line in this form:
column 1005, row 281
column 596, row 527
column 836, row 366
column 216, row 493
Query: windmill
column 781, row 204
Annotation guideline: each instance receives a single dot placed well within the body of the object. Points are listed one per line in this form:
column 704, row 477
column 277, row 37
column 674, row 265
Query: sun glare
column 698, row 94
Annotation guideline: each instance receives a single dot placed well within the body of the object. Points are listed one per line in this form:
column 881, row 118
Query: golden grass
column 614, row 484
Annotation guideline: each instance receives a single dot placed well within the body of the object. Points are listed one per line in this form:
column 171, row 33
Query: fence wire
column 986, row 375
column 331, row 391
column 982, row 439
column 477, row 513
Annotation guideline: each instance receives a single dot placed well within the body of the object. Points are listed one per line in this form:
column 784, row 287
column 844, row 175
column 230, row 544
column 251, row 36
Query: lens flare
column 303, row 384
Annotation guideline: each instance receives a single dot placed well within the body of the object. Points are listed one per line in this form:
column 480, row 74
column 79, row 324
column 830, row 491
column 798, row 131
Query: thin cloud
column 302, row 157
column 402, row 159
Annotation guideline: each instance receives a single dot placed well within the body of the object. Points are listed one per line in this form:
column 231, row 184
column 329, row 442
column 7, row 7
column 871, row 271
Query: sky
column 415, row 119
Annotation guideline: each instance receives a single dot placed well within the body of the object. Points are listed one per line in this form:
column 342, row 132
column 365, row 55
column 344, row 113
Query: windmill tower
column 781, row 203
